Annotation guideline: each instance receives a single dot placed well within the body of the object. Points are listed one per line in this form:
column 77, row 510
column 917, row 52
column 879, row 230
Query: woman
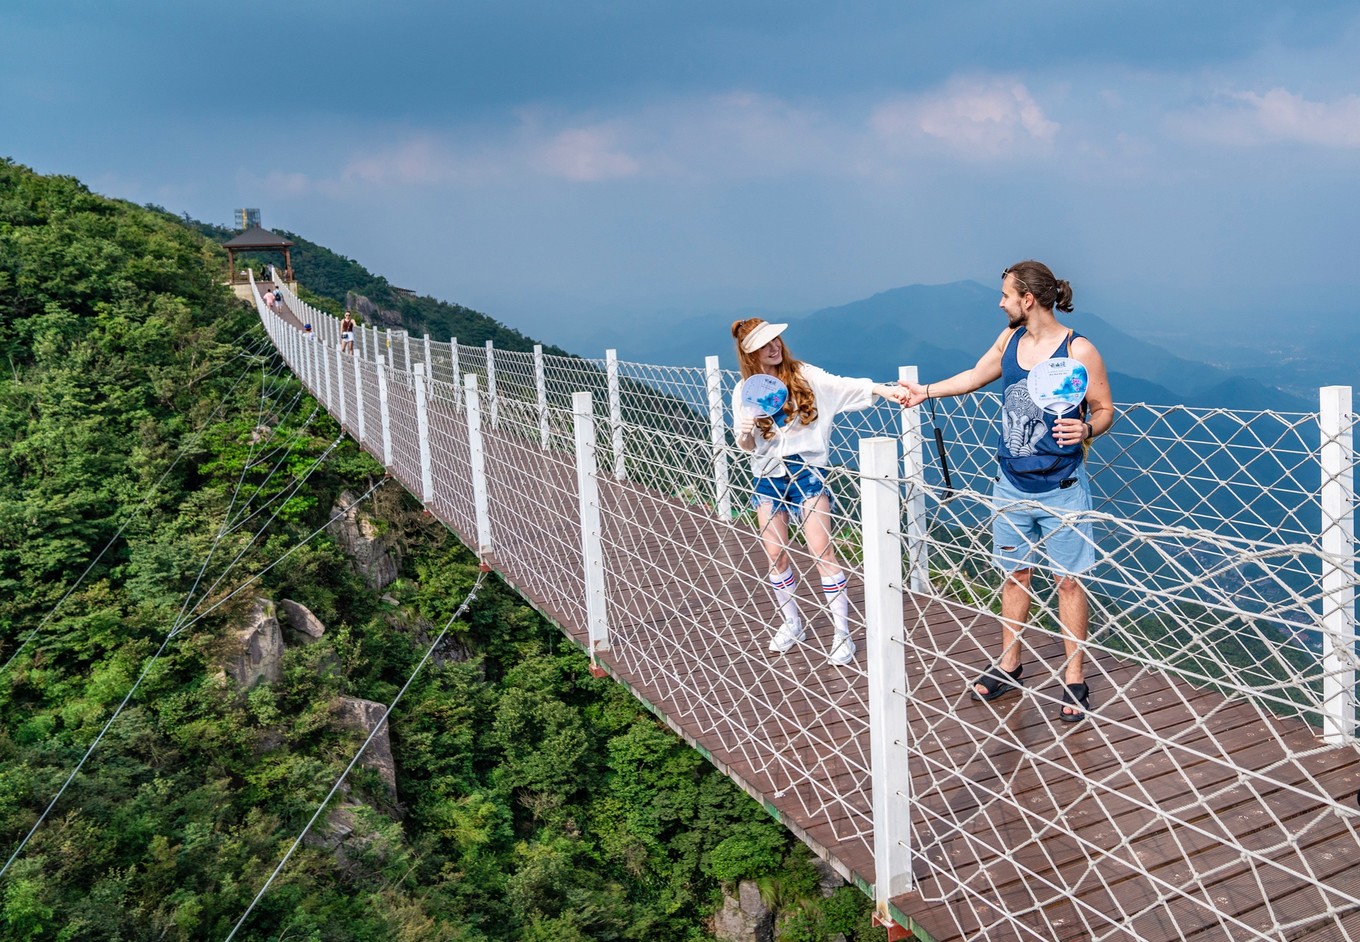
column 347, row 334
column 790, row 454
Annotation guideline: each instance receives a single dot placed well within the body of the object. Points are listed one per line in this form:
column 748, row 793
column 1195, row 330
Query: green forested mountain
column 329, row 279
column 162, row 474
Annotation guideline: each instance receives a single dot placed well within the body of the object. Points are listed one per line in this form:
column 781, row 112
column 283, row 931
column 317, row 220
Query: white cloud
column 1249, row 119
column 586, row 155
column 978, row 118
column 279, row 183
column 732, row 137
column 419, row 160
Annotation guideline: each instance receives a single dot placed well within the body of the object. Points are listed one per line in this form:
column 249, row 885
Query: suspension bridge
column 1210, row 794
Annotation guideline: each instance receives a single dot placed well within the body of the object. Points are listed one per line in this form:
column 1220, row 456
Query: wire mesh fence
column 1209, row 800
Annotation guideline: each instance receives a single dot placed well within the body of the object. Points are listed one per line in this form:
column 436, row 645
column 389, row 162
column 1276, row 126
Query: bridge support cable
column 183, row 621
column 382, row 721
column 190, row 442
column 1335, row 419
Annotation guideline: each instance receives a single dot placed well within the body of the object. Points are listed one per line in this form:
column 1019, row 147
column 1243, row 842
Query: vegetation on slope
column 147, row 439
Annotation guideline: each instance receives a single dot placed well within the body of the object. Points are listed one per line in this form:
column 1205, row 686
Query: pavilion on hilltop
column 257, row 239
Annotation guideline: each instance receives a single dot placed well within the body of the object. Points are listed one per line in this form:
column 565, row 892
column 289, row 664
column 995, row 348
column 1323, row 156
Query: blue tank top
column 1029, row 455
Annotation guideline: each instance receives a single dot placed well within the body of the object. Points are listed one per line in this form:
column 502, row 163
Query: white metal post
column 717, row 433
column 477, row 456
column 363, row 341
column 429, row 364
column 588, row 491
column 881, row 508
column 406, row 349
column 1338, row 563
column 491, row 385
column 325, row 362
column 457, row 372
column 541, row 387
column 387, row 344
column 359, row 397
column 340, row 384
column 913, row 472
column 611, row 371
column 386, row 417
column 423, row 433
column 299, row 363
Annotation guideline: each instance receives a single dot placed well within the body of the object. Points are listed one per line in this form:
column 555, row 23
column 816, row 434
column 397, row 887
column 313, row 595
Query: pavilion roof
column 257, row 238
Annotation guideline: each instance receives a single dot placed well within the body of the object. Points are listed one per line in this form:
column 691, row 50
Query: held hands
column 894, row 391
column 909, row 394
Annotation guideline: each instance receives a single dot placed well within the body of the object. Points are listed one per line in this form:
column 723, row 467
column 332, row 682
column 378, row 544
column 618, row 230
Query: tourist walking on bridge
column 790, row 454
column 1042, row 475
column 347, row 334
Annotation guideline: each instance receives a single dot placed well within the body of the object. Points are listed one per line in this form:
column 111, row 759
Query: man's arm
column 1099, row 399
column 986, row 370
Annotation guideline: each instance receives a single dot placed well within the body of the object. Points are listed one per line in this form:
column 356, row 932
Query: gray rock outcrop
column 375, row 555
column 744, row 918
column 829, row 881
column 369, row 312
column 258, row 652
column 364, row 715
column 303, row 626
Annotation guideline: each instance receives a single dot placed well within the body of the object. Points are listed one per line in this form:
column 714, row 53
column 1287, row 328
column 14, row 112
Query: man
column 1042, row 474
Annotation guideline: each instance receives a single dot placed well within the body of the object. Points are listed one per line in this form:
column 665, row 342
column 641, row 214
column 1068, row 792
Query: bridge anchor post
column 1337, row 457
column 588, row 493
column 881, row 522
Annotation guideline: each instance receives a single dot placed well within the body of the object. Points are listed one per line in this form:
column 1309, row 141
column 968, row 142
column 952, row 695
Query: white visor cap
column 761, row 335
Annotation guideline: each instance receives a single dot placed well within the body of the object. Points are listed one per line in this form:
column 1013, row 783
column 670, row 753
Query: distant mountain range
column 943, row 329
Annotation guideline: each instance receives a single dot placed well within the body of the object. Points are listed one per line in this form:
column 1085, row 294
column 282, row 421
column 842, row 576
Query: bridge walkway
column 1212, row 821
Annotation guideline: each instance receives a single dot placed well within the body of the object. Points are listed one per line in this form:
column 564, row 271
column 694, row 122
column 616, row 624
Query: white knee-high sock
column 785, row 584
column 838, row 601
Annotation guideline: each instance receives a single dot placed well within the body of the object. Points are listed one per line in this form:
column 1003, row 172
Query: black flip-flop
column 997, row 681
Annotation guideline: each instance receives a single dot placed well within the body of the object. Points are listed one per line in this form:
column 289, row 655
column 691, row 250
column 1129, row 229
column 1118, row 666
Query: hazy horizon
column 565, row 168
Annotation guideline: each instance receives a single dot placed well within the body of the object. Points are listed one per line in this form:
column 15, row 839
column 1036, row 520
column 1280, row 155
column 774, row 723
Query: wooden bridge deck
column 1000, row 789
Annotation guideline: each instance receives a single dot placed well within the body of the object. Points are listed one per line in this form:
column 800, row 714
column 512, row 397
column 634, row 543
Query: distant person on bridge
column 1042, row 477
column 790, row 454
column 347, row 333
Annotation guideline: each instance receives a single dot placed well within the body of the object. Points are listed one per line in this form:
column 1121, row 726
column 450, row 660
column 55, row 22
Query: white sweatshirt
column 809, row 443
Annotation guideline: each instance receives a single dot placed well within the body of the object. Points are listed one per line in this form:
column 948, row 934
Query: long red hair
column 801, row 403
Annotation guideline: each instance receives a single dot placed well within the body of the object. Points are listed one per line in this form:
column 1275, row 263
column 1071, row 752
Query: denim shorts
column 788, row 493
column 1028, row 529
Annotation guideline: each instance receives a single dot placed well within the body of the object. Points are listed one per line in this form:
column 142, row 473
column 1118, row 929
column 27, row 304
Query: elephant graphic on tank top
column 1022, row 421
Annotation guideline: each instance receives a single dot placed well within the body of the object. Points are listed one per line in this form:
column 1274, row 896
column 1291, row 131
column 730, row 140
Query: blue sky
column 562, row 165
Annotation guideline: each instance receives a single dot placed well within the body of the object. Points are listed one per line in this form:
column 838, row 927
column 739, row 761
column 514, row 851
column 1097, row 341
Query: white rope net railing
column 1210, row 794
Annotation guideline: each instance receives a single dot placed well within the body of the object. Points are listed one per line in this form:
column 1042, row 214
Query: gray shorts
column 1028, row 530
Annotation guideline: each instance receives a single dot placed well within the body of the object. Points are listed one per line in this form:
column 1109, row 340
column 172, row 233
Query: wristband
column 1090, row 430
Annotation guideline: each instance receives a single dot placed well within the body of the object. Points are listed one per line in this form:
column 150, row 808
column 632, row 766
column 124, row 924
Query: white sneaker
column 843, row 651
column 786, row 637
